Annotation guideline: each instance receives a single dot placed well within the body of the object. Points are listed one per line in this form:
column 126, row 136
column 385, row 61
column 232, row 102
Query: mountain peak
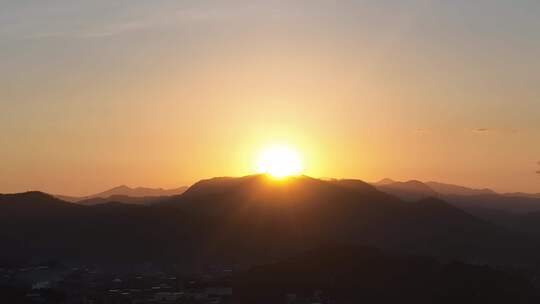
column 121, row 187
column 262, row 190
column 411, row 190
column 385, row 181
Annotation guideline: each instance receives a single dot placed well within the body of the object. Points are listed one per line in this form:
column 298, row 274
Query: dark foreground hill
column 248, row 220
column 354, row 274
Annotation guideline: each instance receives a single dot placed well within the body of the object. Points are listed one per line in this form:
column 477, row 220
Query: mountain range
column 248, row 220
column 462, row 197
column 434, row 188
column 517, row 211
column 125, row 194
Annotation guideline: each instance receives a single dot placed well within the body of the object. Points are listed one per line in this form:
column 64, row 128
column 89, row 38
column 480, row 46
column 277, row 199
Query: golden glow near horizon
column 364, row 89
column 279, row 161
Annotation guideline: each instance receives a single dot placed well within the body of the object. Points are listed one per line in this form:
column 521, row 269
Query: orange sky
column 160, row 94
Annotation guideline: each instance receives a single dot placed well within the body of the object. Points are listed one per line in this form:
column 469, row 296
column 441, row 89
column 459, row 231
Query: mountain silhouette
column 125, row 194
column 384, row 181
column 306, row 209
column 495, row 201
column 33, row 203
column 134, row 200
column 521, row 194
column 445, row 189
column 449, row 189
column 483, row 203
column 410, row 191
column 249, row 220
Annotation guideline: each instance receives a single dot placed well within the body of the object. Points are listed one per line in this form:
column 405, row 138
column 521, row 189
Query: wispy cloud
column 117, row 22
column 481, row 130
column 108, row 29
column 105, row 31
column 59, row 22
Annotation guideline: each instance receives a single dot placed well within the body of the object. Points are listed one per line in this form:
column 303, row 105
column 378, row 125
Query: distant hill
column 125, row 194
column 33, row 202
column 143, row 200
column 384, row 181
column 414, row 189
column 501, row 202
column 248, row 220
column 457, row 190
column 410, row 191
column 521, row 194
column 503, row 209
column 461, row 196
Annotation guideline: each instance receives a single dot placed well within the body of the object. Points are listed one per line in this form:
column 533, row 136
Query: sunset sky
column 95, row 94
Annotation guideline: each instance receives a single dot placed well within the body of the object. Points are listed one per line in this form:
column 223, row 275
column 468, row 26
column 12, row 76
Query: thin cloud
column 481, row 130
column 159, row 18
column 105, row 31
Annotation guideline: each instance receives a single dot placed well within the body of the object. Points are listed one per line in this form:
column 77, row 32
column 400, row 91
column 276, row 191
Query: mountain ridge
column 480, row 202
column 126, row 192
column 252, row 219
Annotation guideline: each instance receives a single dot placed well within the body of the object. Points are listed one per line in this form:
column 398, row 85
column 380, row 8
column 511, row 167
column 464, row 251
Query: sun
column 279, row 161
